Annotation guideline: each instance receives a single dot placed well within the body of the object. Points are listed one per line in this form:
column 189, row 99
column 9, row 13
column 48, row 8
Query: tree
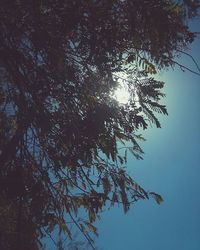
column 61, row 129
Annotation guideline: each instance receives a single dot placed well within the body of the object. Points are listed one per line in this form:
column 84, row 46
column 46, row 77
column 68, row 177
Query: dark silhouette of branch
column 187, row 54
column 183, row 68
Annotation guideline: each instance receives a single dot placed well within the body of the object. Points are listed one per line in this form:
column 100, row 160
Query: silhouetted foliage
column 61, row 130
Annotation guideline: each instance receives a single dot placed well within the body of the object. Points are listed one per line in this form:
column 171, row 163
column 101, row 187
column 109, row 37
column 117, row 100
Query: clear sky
column 171, row 167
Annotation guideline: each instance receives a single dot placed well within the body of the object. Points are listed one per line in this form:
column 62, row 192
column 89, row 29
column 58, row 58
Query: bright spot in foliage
column 121, row 94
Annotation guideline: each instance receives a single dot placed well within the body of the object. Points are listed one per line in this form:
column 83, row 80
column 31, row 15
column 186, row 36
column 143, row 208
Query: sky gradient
column 171, row 168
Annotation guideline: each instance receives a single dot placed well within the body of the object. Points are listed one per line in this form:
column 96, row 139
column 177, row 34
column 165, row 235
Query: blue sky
column 171, row 167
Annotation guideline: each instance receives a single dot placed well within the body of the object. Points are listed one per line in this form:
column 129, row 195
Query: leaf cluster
column 60, row 127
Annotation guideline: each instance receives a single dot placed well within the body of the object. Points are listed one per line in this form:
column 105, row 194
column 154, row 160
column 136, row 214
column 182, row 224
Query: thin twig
column 185, row 68
column 85, row 235
column 187, row 54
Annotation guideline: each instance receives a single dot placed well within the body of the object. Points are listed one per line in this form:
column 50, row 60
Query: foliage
column 60, row 127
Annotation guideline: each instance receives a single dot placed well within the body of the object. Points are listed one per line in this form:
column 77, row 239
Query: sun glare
column 126, row 91
column 121, row 95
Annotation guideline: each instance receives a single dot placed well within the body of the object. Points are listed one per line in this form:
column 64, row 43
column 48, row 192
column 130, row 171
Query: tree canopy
column 63, row 136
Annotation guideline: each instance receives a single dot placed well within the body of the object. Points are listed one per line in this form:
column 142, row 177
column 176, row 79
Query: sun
column 121, row 94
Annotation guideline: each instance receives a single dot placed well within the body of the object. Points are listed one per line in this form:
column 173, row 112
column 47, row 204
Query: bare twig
column 187, row 54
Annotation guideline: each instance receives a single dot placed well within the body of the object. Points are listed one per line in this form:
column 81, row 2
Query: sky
column 171, row 167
